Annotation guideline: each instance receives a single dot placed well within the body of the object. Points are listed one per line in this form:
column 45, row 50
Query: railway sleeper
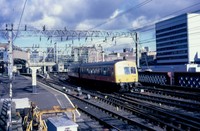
column 159, row 114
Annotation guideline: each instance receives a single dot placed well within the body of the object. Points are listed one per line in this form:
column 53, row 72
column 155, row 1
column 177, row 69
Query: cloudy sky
column 92, row 14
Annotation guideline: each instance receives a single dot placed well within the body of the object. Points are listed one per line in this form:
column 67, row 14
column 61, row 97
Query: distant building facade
column 87, row 54
column 50, row 54
column 148, row 58
column 127, row 54
column 34, row 57
column 3, row 52
column 3, row 57
column 177, row 40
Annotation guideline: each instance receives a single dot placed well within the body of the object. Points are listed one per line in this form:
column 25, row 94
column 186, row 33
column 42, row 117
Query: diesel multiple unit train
column 119, row 75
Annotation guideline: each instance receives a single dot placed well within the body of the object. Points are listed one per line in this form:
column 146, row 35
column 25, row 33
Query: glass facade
column 172, row 44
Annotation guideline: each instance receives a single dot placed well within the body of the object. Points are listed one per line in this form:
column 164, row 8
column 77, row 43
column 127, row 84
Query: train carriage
column 120, row 75
column 73, row 71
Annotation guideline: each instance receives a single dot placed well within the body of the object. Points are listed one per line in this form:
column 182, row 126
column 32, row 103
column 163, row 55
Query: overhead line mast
column 10, row 72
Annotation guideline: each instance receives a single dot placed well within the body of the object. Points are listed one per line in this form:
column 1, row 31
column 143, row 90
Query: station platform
column 44, row 97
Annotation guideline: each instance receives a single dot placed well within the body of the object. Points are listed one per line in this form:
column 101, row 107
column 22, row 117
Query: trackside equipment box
column 61, row 124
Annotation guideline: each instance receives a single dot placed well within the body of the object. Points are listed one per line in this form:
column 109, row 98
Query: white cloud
column 87, row 24
column 53, row 13
column 83, row 26
column 140, row 22
column 57, row 9
column 48, row 21
column 116, row 13
column 83, row 14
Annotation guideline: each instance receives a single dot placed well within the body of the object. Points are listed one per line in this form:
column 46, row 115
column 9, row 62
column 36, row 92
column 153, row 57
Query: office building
column 178, row 40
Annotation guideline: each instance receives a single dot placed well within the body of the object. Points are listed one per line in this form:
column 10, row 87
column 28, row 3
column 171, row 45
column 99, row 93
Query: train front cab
column 126, row 75
column 74, row 73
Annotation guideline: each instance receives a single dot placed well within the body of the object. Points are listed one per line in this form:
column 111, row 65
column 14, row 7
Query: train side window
column 98, row 71
column 84, row 70
column 112, row 72
column 104, row 71
column 92, row 71
column 101, row 71
column 95, row 71
column 108, row 71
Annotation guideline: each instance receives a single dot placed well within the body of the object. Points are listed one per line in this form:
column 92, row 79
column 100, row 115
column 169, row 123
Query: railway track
column 106, row 116
column 145, row 116
column 166, row 100
column 159, row 115
column 183, row 120
column 195, row 96
column 157, row 118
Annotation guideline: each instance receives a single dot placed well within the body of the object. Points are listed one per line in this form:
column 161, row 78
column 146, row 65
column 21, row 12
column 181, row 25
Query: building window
column 172, row 48
column 171, row 43
column 173, row 57
column 172, row 33
column 172, row 52
column 172, row 37
column 171, row 28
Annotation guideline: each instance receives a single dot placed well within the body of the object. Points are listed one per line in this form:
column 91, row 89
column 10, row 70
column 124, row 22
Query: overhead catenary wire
column 169, row 16
column 121, row 14
column 169, row 23
column 115, row 18
column 153, row 39
column 20, row 19
column 151, row 27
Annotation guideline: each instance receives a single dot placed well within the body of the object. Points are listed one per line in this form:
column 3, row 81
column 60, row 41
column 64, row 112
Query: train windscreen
column 129, row 70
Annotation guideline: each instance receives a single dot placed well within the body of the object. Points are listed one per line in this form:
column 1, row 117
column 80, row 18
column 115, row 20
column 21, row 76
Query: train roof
column 95, row 64
column 101, row 63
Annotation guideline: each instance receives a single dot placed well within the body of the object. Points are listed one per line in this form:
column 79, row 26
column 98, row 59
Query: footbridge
column 34, row 63
column 31, row 62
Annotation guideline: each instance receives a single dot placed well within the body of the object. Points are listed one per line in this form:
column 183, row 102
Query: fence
column 184, row 79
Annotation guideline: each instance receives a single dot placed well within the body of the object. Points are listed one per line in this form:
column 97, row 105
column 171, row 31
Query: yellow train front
column 113, row 75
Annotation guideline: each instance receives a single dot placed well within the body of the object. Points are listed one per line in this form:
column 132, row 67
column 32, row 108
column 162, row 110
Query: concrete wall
column 194, row 37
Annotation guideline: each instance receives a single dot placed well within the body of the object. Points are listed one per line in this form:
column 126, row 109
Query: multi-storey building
column 127, row 54
column 87, row 54
column 177, row 40
column 148, row 58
